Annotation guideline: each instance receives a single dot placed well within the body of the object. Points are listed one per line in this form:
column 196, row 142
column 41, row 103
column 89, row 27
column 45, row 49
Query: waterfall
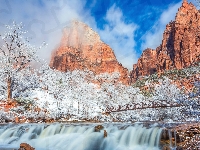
column 170, row 138
column 81, row 137
column 175, row 138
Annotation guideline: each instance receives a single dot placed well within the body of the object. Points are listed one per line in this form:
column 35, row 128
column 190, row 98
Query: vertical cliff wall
column 180, row 46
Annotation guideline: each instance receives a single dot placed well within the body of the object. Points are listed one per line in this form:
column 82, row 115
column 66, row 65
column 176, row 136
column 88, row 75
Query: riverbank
column 182, row 136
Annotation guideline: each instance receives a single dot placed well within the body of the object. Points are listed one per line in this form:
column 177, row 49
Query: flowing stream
column 80, row 137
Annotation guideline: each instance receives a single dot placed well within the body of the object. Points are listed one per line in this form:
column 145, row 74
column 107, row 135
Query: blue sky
column 128, row 26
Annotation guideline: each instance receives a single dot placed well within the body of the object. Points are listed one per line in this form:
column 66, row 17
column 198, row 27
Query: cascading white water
column 170, row 138
column 175, row 138
column 81, row 137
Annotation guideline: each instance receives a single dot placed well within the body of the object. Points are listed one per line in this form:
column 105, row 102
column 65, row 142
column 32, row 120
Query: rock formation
column 183, row 136
column 25, row 146
column 98, row 128
column 146, row 64
column 105, row 134
column 180, row 46
column 81, row 48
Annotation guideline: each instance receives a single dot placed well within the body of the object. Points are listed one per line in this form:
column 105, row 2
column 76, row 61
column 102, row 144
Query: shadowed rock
column 105, row 134
column 98, row 128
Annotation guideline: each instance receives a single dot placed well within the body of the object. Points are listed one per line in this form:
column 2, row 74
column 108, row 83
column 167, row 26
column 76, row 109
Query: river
column 80, row 136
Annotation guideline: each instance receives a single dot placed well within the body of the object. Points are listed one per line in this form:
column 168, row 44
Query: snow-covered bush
column 166, row 91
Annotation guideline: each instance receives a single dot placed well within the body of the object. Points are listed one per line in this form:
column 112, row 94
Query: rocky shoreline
column 181, row 137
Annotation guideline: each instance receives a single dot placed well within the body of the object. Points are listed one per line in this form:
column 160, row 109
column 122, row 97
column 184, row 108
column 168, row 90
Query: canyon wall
column 81, row 48
column 180, row 46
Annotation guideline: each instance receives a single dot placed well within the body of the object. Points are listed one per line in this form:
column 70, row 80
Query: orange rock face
column 180, row 46
column 146, row 64
column 81, row 48
column 25, row 146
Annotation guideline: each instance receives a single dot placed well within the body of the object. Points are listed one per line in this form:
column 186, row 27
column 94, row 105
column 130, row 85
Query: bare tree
column 16, row 55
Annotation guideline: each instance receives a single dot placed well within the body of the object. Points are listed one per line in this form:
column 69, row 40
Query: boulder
column 98, row 128
column 25, row 146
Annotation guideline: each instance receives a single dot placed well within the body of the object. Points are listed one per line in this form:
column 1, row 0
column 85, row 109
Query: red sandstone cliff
column 180, row 46
column 81, row 48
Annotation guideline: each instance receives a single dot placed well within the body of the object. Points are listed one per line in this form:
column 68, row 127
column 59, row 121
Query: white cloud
column 120, row 36
column 153, row 37
column 45, row 22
